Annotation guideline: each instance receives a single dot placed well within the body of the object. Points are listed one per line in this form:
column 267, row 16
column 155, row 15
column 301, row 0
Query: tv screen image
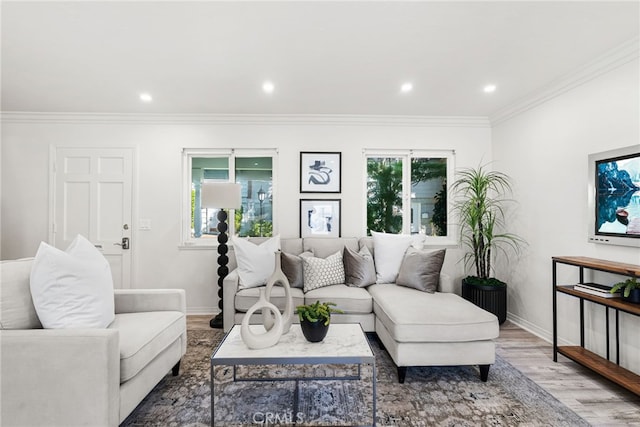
column 618, row 196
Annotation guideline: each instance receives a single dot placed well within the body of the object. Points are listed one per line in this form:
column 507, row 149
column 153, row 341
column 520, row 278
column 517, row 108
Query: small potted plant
column 315, row 319
column 631, row 288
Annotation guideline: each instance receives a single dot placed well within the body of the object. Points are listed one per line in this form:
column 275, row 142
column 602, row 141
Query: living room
column 567, row 86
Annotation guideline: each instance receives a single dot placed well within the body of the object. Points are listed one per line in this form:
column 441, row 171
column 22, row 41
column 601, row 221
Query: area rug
column 430, row 396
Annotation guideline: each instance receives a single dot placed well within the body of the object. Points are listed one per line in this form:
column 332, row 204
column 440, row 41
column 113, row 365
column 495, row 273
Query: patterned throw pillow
column 320, row 272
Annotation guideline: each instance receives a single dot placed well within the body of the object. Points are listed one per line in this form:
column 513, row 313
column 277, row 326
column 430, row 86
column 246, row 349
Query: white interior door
column 92, row 197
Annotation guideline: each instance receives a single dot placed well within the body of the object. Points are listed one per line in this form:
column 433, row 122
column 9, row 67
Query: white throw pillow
column 72, row 288
column 256, row 263
column 388, row 253
column 320, row 272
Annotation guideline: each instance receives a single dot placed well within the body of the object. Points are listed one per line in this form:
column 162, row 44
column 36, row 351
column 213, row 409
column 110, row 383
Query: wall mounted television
column 614, row 197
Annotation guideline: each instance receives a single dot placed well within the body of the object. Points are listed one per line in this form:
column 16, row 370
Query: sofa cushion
column 359, row 269
column 323, row 247
column 413, row 316
column 245, row 298
column 320, row 272
column 16, row 305
column 350, row 299
column 255, row 262
column 389, row 251
column 292, row 268
column 145, row 335
column 72, row 288
column 420, row 269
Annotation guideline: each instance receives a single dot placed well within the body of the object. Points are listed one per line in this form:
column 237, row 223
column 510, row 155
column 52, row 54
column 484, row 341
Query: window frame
column 451, row 239
column 188, row 154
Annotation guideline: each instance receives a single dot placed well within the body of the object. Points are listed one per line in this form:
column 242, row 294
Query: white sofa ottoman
column 433, row 329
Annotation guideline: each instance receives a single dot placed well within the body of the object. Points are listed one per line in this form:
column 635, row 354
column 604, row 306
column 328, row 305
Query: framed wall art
column 320, row 218
column 320, row 172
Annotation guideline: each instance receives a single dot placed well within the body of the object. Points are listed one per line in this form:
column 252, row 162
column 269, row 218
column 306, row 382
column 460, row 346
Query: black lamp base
column 216, row 322
column 223, row 270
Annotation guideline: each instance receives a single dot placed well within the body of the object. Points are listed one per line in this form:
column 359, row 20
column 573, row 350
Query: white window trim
column 186, row 241
column 451, row 239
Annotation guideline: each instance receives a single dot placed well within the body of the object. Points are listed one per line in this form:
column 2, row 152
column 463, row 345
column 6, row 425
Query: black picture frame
column 320, row 172
column 320, row 217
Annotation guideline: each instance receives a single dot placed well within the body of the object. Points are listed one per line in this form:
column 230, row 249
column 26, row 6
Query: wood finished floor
column 595, row 399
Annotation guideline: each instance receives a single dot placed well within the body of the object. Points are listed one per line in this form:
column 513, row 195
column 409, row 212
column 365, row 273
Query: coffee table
column 345, row 344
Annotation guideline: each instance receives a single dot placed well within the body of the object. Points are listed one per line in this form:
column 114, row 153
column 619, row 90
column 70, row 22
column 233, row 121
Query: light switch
column 145, row 224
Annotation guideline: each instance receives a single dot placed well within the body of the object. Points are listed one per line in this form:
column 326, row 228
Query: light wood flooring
column 595, row 399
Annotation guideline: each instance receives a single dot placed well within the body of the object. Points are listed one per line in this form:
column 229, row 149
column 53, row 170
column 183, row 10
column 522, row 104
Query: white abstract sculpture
column 269, row 338
column 278, row 277
column 273, row 321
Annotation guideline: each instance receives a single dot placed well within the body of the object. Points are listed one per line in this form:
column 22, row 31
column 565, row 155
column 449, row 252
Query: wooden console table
column 603, row 366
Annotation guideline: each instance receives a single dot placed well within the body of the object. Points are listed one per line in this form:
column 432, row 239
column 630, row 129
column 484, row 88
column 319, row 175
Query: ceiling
column 349, row 57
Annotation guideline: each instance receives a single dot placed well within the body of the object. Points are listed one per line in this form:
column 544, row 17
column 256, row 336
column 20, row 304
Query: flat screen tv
column 614, row 197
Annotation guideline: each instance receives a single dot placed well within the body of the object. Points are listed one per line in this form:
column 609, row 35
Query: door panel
column 92, row 197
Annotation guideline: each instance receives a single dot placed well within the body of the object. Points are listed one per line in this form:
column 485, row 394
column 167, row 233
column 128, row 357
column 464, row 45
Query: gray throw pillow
column 292, row 268
column 359, row 268
column 420, row 269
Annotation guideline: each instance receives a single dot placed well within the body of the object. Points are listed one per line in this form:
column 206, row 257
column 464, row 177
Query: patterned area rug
column 442, row 396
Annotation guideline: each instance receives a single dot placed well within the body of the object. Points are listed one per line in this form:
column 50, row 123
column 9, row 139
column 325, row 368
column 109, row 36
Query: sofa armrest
column 229, row 289
column 141, row 300
column 60, row 377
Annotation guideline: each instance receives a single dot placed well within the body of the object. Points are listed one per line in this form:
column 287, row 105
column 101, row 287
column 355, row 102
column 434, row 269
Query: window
column 406, row 192
column 252, row 169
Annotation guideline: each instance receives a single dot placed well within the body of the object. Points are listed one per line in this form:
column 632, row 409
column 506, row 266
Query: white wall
column 158, row 261
column 545, row 151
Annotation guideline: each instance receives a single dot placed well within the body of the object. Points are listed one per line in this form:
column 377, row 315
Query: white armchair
column 96, row 377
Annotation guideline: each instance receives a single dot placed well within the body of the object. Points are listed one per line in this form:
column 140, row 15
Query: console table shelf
column 601, row 365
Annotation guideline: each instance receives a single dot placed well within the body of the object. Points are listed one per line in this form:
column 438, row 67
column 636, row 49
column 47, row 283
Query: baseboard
column 535, row 329
column 202, row 311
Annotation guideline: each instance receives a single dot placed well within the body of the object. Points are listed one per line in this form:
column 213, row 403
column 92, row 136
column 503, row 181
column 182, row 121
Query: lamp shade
column 221, row 195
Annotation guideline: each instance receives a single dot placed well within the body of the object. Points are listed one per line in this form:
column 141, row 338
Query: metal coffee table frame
column 345, row 344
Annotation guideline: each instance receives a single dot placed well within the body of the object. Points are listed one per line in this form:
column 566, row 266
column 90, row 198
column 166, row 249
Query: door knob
column 124, row 244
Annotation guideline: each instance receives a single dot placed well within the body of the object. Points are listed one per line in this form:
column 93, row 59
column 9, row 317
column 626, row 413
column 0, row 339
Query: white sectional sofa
column 90, row 377
column 417, row 328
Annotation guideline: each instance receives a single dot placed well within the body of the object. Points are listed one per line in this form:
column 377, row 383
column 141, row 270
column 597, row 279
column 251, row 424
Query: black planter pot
column 488, row 297
column 314, row 331
column 633, row 297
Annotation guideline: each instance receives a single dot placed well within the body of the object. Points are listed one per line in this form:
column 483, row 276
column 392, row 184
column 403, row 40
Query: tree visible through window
column 411, row 199
column 384, row 194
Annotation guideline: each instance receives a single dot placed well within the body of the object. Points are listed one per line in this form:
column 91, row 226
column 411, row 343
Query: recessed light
column 489, row 88
column 146, row 97
column 406, row 87
column 268, row 87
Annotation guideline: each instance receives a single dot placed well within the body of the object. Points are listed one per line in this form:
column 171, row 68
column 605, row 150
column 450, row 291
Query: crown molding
column 244, row 119
column 623, row 54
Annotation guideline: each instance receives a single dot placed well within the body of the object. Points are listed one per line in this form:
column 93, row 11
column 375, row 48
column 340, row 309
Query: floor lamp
column 221, row 195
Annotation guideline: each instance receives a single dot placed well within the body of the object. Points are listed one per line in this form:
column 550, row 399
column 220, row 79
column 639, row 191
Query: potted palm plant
column 480, row 203
column 315, row 319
